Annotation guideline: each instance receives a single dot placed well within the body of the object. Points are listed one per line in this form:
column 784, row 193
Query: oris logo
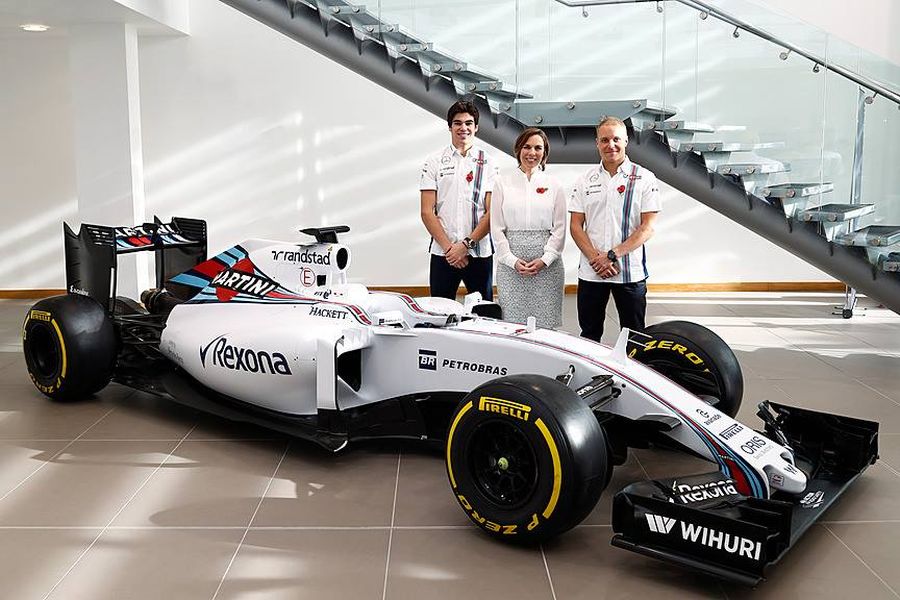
column 220, row 353
column 754, row 445
column 307, row 257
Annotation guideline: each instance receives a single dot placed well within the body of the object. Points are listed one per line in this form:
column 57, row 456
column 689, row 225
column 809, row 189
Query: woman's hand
column 522, row 268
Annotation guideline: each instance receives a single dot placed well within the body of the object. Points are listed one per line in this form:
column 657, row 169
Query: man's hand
column 457, row 255
column 604, row 267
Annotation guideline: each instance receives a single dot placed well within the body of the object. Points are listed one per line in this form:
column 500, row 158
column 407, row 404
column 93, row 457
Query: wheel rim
column 503, row 464
column 43, row 352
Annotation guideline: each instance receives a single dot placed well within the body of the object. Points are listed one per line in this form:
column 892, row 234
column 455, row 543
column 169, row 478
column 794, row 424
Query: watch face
column 611, row 255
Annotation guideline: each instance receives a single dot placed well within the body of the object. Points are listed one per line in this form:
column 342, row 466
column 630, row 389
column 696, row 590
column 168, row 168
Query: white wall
column 259, row 135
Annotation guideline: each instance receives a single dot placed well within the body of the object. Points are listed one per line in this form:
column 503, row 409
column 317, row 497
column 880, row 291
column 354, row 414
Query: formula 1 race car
column 533, row 420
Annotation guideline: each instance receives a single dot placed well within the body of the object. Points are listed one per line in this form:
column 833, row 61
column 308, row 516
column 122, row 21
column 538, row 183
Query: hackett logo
column 220, row 353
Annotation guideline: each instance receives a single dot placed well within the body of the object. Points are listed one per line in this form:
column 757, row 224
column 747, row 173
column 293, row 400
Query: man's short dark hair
column 459, row 107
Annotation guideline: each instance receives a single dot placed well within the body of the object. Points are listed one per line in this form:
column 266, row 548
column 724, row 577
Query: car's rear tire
column 526, row 458
column 70, row 347
column 695, row 358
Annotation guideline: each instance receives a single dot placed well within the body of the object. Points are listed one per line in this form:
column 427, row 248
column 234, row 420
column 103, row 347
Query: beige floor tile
column 775, row 362
column 845, row 397
column 85, row 485
column 583, row 565
column 30, row 416
column 33, row 560
column 140, row 564
column 890, row 387
column 20, row 460
column 424, row 496
column 210, row 484
column 877, row 545
column 889, row 449
column 315, row 488
column 313, row 564
column 143, row 417
column 818, row 566
column 465, row 563
column 874, row 496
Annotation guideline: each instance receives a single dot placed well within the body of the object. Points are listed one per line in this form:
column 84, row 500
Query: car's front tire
column 695, row 358
column 526, row 458
column 70, row 347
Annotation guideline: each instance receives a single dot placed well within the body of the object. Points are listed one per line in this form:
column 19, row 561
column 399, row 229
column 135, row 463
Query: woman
column 528, row 225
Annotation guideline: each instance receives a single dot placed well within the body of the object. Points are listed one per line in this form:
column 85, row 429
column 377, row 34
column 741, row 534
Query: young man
column 613, row 209
column 455, row 191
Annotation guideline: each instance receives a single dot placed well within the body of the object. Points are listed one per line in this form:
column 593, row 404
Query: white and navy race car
column 532, row 420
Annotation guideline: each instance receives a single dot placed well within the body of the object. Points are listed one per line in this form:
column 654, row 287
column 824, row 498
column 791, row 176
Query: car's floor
column 127, row 496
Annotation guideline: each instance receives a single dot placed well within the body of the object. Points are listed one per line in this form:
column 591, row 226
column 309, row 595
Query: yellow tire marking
column 464, row 410
column 63, row 344
column 557, row 468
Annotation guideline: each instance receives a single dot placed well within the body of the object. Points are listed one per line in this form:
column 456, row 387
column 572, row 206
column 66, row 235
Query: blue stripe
column 626, row 210
column 476, row 192
column 191, row 280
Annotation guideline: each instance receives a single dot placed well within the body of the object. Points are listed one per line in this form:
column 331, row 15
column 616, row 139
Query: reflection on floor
column 124, row 496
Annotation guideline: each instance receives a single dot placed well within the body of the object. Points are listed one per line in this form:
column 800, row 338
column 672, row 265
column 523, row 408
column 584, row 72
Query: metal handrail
column 704, row 8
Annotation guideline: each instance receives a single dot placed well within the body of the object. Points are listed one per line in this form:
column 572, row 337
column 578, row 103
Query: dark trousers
column 593, row 296
column 478, row 276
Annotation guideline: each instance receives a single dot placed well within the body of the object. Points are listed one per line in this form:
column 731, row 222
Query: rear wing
column 91, row 254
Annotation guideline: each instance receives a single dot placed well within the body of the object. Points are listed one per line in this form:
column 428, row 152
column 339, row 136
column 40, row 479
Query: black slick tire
column 695, row 358
column 526, row 458
column 70, row 347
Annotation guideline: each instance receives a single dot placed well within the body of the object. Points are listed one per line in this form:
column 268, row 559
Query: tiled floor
column 126, row 496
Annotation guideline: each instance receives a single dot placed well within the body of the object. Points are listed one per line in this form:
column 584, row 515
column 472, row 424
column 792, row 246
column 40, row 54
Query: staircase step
column 582, row 113
column 874, row 235
column 744, row 169
column 367, row 25
column 891, row 263
column 704, row 147
column 465, row 83
column 796, row 190
column 685, row 126
column 834, row 213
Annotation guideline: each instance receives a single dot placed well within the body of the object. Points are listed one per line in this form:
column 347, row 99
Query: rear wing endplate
column 91, row 254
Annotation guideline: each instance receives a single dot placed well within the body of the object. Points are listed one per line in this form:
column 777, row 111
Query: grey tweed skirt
column 540, row 295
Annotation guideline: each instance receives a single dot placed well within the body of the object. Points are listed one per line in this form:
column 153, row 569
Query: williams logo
column 659, row 524
column 504, row 407
column 220, row 353
column 428, row 360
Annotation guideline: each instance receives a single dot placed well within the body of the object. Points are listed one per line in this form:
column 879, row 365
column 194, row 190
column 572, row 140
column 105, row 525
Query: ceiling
column 61, row 15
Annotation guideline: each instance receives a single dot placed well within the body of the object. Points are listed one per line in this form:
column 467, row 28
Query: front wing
column 702, row 522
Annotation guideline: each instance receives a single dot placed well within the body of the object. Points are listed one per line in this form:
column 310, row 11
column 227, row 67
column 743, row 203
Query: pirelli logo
column 504, row 407
column 40, row 315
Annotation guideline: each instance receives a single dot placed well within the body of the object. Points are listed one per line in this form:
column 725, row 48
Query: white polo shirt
column 612, row 208
column 461, row 183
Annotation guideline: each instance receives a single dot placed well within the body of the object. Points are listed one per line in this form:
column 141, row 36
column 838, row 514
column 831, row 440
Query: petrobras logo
column 220, row 353
column 244, row 282
column 428, row 360
column 463, row 365
column 305, row 256
column 731, row 431
column 690, row 493
column 705, row 536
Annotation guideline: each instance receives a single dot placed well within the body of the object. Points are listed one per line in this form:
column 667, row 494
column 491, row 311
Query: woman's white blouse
column 535, row 205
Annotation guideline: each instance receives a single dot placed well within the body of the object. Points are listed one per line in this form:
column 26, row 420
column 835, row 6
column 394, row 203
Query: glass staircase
column 761, row 117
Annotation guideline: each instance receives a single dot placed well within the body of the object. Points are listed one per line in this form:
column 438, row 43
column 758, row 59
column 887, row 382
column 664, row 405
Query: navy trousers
column 593, row 296
column 478, row 276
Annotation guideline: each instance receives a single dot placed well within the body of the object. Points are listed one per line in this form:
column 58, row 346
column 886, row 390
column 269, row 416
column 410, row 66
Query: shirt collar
column 453, row 151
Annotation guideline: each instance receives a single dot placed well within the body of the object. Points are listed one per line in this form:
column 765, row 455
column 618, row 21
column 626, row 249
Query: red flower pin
column 470, row 177
column 541, row 190
column 621, row 189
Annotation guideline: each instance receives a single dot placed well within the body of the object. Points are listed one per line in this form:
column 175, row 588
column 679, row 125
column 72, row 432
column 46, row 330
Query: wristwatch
column 611, row 255
column 469, row 242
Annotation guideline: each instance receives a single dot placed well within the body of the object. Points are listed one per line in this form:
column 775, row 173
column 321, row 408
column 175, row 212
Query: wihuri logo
column 231, row 357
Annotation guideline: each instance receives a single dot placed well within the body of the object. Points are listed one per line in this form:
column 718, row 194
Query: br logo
column 428, row 360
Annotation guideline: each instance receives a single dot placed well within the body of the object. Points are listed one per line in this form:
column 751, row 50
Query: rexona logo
column 428, row 360
column 240, row 279
column 688, row 493
column 306, row 257
column 504, row 407
column 220, row 353
column 705, row 536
